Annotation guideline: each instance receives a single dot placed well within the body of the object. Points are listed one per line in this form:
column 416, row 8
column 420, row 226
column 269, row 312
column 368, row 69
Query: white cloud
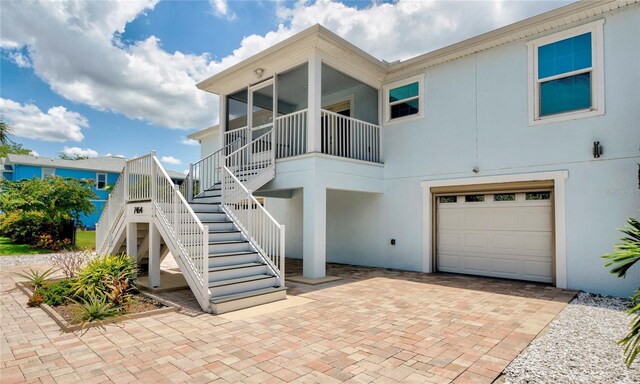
column 188, row 141
column 75, row 47
column 57, row 124
column 34, row 153
column 77, row 151
column 170, row 160
column 20, row 60
column 120, row 156
column 221, row 8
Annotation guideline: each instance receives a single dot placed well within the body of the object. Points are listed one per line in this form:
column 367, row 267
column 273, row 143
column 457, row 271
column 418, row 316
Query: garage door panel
column 509, row 239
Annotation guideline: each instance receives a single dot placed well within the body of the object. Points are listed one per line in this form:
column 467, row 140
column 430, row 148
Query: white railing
column 348, row 137
column 189, row 236
column 111, row 213
column 291, row 134
column 138, row 178
column 262, row 230
column 206, row 172
column 241, row 136
column 248, row 161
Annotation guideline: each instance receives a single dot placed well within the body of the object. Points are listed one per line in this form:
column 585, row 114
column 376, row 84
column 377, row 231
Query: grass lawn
column 7, row 248
column 86, row 239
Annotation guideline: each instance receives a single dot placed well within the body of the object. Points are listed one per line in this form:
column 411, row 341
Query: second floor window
column 101, row 181
column 403, row 99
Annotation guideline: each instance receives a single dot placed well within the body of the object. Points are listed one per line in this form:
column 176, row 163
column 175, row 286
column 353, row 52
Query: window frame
column 106, row 181
column 597, row 74
column 53, row 172
column 397, row 84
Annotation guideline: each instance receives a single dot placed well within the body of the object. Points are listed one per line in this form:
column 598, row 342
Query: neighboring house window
column 403, row 99
column 101, row 180
column 48, row 172
column 566, row 75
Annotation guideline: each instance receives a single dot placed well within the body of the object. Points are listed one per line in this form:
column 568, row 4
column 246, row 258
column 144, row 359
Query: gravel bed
column 579, row 347
column 44, row 258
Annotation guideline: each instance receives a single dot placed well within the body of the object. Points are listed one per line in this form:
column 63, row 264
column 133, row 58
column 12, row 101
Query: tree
column 42, row 205
column 625, row 256
column 15, row 148
column 65, row 156
column 5, row 130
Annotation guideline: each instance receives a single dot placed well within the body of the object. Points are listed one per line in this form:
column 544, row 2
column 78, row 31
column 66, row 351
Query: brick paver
column 374, row 326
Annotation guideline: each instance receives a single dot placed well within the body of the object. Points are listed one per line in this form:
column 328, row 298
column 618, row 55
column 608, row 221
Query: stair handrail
column 263, row 232
column 182, row 225
column 112, row 211
column 208, row 171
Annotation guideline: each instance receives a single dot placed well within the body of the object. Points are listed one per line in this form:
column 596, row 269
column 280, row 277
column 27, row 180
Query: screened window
column 566, row 74
column 101, row 181
column 403, row 99
column 48, row 172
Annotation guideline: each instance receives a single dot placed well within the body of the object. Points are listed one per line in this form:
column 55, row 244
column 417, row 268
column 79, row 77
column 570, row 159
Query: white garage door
column 505, row 235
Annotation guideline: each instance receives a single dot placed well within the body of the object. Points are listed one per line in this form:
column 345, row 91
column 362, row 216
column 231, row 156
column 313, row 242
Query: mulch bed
column 144, row 305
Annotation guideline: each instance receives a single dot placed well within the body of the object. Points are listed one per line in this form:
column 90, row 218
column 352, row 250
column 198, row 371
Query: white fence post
column 205, row 267
column 190, row 183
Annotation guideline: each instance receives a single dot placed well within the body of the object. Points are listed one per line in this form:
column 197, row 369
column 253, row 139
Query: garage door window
column 474, row 198
column 537, row 196
column 504, row 197
column 448, row 199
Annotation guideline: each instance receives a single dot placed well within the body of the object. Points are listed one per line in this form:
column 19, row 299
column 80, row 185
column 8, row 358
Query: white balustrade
column 291, row 134
column 348, row 137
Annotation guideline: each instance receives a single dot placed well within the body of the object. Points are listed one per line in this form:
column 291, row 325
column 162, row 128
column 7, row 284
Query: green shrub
column 35, row 278
column 625, row 256
column 95, row 279
column 94, row 309
column 56, row 293
column 21, row 226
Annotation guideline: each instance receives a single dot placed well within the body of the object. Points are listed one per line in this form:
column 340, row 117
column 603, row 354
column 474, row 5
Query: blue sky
column 119, row 78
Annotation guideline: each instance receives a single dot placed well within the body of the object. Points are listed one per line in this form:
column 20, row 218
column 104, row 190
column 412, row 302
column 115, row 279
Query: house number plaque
column 137, row 210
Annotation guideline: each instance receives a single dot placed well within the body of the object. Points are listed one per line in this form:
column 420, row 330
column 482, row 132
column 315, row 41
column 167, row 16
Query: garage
column 507, row 234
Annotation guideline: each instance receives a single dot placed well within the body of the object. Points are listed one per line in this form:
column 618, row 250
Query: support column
column 132, row 241
column 222, row 120
column 154, row 256
column 314, row 135
column 314, row 231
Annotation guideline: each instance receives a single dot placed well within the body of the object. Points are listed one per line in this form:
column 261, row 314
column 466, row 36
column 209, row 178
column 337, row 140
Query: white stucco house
column 476, row 158
column 513, row 154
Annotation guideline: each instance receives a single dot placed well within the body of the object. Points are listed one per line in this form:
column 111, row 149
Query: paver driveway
column 373, row 326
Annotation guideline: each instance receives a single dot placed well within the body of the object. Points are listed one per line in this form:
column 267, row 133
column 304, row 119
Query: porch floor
column 374, row 325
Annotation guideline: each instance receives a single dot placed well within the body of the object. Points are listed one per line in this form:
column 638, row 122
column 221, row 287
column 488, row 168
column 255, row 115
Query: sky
column 99, row 78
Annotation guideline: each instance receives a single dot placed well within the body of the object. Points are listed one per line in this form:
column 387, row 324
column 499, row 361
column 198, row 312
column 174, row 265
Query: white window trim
column 53, row 171
column 387, row 106
column 106, row 180
column 597, row 74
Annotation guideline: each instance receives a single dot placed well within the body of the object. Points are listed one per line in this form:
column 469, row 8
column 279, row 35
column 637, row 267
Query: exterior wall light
column 597, row 150
column 259, row 72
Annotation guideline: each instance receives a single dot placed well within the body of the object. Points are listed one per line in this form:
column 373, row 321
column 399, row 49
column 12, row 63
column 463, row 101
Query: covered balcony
column 312, row 108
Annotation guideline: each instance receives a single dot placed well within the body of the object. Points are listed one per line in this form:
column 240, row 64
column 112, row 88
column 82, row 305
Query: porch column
column 154, row 256
column 314, row 231
column 222, row 119
column 132, row 241
column 314, row 137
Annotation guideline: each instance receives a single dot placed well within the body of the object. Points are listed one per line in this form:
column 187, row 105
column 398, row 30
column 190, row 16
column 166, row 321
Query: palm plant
column 4, row 133
column 94, row 309
column 625, row 256
column 35, row 278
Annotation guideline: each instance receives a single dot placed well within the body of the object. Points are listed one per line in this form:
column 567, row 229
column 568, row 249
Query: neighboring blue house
column 103, row 170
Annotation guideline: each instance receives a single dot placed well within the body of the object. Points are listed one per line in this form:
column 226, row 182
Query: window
column 537, row 196
column 566, row 75
column 474, row 198
column 504, row 197
column 48, row 172
column 101, row 181
column 403, row 100
column 448, row 199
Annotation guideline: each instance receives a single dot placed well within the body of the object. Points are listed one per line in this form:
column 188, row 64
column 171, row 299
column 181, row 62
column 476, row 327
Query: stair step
column 209, row 199
column 242, row 284
column 219, row 226
column 237, row 301
column 230, row 235
column 230, row 246
column 232, row 258
column 235, row 271
column 214, row 217
column 205, row 207
column 209, row 193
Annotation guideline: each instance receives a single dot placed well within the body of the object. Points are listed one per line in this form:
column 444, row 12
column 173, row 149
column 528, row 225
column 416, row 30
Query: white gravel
column 45, row 258
column 580, row 346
